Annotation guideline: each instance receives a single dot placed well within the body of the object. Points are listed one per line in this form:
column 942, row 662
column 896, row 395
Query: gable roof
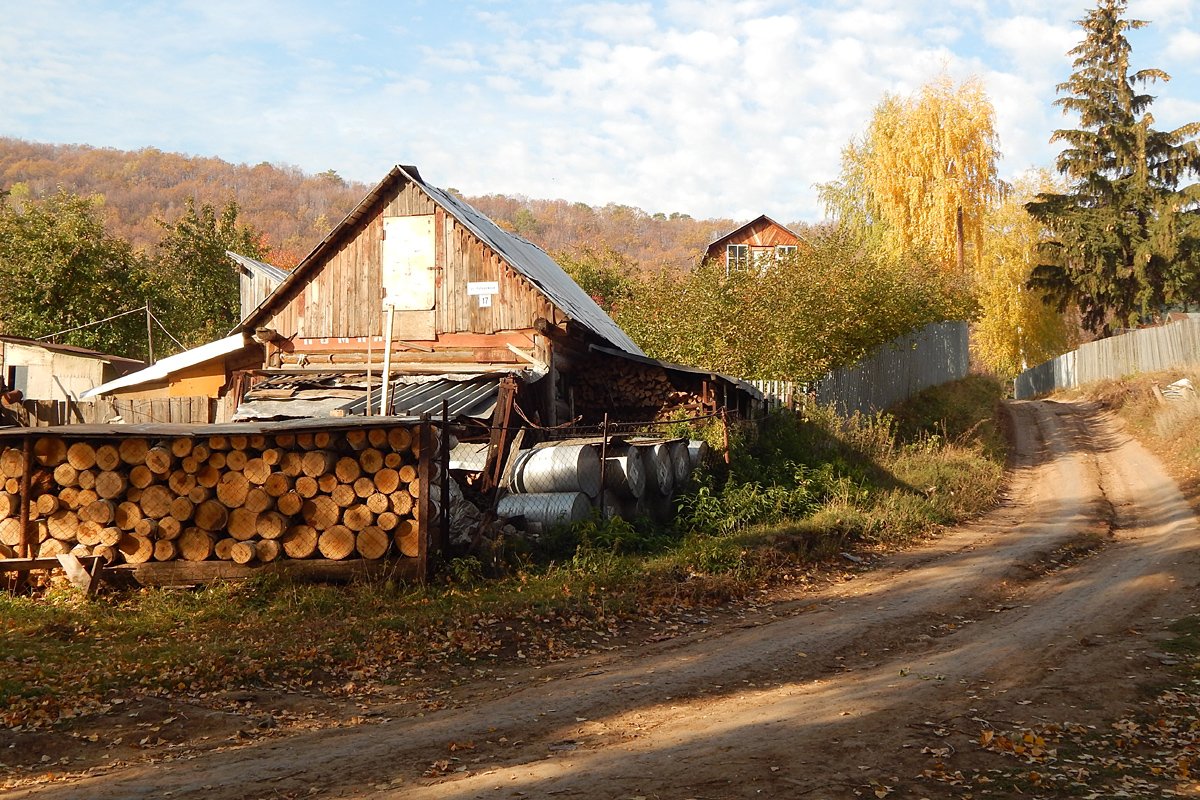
column 522, row 255
column 259, row 268
column 754, row 221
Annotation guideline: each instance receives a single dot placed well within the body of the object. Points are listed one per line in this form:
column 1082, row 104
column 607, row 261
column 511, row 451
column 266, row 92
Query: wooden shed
column 759, row 239
column 47, row 371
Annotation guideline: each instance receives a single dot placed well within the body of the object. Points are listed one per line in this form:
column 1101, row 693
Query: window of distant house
column 782, row 251
column 737, row 257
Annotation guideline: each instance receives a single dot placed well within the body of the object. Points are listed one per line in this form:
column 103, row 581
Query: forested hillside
column 293, row 209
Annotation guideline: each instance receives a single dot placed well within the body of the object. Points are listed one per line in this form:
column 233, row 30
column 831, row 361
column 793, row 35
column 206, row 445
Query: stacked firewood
column 241, row 498
column 633, row 386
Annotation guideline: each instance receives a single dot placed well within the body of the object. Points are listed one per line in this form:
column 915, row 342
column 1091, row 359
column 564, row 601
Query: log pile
column 644, row 391
column 240, row 498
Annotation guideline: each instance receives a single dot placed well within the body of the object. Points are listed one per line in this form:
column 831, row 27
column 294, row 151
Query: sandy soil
column 1048, row 609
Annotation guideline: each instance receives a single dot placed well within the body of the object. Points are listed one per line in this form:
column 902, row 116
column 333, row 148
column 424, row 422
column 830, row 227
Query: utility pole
column 149, row 334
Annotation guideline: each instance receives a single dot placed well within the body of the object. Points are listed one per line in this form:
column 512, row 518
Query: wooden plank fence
column 178, row 410
column 936, row 354
column 1170, row 346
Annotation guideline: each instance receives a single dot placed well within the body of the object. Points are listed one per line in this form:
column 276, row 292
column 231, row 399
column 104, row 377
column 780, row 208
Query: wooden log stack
column 242, row 498
column 633, row 388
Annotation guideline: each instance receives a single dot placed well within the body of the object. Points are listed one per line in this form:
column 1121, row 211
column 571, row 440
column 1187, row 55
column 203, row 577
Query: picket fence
column 936, row 354
column 1170, row 346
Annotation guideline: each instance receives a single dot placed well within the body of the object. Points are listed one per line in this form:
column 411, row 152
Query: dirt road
column 1049, row 608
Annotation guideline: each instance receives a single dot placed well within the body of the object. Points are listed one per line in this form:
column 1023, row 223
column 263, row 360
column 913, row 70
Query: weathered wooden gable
column 760, row 234
column 342, row 294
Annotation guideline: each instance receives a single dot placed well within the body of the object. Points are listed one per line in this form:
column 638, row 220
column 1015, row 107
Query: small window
column 782, row 251
column 18, row 378
column 737, row 257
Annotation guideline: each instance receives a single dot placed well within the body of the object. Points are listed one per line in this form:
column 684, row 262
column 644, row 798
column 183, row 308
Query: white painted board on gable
column 408, row 268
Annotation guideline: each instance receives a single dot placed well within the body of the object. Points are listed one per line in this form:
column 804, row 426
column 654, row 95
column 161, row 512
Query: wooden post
column 444, row 466
column 424, row 560
column 725, row 431
column 384, row 404
column 149, row 337
column 603, row 459
column 26, row 546
column 496, row 455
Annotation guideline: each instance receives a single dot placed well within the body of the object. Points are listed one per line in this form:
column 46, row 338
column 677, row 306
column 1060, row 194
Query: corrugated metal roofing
column 260, row 267
column 525, row 257
column 533, row 262
column 474, row 397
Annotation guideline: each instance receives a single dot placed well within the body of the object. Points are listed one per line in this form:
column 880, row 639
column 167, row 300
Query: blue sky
column 716, row 109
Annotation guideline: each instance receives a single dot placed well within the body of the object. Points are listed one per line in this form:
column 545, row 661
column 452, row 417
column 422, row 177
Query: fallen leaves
column 1150, row 756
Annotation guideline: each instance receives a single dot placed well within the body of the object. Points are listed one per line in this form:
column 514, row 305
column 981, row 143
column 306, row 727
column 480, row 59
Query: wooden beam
column 86, row 578
column 501, row 421
column 181, row 573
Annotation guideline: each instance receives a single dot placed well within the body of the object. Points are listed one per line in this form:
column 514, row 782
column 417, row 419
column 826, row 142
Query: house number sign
column 483, row 290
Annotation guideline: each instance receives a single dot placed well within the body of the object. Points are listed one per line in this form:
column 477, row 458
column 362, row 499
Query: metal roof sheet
column 161, row 369
column 475, row 399
column 259, row 267
column 541, row 270
column 667, row 365
column 472, row 397
column 152, row 430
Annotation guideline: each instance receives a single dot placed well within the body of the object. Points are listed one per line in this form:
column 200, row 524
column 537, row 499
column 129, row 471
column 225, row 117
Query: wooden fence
column 179, row 410
column 936, row 354
column 1147, row 350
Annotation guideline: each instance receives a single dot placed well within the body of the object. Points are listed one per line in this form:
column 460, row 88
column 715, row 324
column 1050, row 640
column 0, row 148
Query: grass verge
column 797, row 493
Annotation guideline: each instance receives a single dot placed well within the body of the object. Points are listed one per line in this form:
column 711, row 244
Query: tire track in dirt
column 828, row 691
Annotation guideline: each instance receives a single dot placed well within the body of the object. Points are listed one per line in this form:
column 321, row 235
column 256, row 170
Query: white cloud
column 714, row 109
column 1184, row 45
column 1034, row 43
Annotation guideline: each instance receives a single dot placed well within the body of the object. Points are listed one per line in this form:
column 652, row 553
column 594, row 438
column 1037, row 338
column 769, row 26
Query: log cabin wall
column 342, row 296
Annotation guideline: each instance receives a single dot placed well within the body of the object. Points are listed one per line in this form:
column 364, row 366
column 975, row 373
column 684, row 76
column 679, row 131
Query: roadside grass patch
column 798, row 492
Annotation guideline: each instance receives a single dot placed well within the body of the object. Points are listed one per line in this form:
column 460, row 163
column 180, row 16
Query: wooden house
column 761, row 239
column 416, row 283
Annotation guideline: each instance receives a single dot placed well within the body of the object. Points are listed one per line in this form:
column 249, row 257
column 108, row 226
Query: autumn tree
column 1015, row 328
column 199, row 284
column 60, row 269
column 923, row 175
column 796, row 318
column 1124, row 232
column 602, row 272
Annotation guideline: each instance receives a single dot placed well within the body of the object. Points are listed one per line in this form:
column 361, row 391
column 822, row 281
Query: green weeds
column 797, row 492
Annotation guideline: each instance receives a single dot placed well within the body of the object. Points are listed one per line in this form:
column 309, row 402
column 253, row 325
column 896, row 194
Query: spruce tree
column 1122, row 241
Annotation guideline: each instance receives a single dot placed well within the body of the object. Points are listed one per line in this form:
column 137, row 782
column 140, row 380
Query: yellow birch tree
column 1016, row 328
column 924, row 175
